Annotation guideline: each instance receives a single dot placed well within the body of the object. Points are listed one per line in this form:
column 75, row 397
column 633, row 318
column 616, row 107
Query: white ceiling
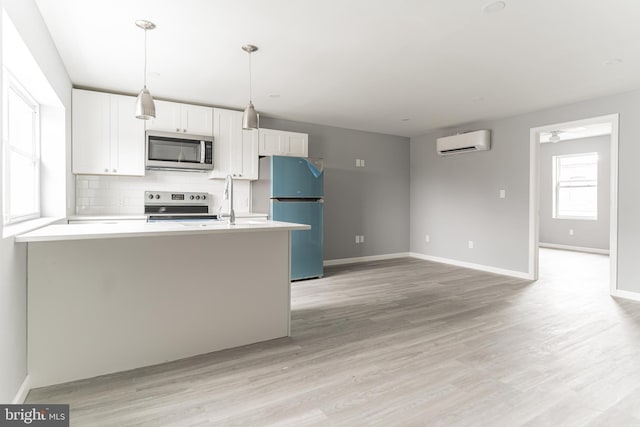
column 361, row 64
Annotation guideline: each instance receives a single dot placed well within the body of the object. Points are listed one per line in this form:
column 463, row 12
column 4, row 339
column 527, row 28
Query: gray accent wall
column 455, row 198
column 372, row 201
column 13, row 257
column 586, row 233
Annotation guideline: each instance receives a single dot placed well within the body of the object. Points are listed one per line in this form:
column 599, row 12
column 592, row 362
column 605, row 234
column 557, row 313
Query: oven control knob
column 151, row 196
column 204, row 197
column 157, row 196
column 197, row 197
column 191, row 197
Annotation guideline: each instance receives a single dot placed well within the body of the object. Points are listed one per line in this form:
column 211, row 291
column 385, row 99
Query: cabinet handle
column 106, row 170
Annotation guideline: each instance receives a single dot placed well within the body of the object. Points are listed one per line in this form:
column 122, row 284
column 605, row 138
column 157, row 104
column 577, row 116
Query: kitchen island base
column 106, row 305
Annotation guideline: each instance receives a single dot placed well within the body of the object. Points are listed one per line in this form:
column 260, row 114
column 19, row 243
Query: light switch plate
column 503, row 194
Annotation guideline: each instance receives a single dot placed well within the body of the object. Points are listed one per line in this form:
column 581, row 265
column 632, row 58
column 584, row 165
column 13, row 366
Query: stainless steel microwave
column 173, row 151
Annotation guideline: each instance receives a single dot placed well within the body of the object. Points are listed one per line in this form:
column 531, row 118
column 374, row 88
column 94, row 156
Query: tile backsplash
column 124, row 195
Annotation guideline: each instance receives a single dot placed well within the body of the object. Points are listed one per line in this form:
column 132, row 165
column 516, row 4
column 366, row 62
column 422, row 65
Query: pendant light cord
column 145, row 57
column 250, row 89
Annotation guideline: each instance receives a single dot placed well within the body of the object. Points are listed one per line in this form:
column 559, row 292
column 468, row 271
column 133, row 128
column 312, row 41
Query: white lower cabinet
column 283, row 143
column 235, row 150
column 107, row 139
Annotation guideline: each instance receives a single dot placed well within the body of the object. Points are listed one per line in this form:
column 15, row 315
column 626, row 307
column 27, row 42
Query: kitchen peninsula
column 104, row 298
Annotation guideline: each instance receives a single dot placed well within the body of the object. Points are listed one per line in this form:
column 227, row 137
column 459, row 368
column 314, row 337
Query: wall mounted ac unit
column 479, row 140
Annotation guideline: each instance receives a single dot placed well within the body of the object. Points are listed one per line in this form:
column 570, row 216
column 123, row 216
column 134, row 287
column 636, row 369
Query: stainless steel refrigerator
column 292, row 189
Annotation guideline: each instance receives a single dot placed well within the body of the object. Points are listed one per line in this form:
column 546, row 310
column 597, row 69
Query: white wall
column 455, row 198
column 586, row 233
column 13, row 311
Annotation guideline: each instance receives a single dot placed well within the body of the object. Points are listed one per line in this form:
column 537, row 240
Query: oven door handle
column 202, row 151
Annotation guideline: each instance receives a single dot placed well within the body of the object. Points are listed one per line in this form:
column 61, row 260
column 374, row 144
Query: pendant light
column 250, row 116
column 145, row 107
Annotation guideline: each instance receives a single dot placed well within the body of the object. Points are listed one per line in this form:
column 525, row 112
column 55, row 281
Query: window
column 21, row 149
column 575, row 178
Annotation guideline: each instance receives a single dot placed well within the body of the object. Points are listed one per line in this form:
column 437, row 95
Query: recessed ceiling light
column 493, row 7
column 406, row 119
column 274, row 95
column 612, row 61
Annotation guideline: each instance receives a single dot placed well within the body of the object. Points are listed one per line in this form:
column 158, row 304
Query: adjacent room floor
column 405, row 342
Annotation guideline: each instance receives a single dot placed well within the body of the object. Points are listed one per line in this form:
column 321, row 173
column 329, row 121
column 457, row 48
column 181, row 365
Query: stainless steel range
column 177, row 206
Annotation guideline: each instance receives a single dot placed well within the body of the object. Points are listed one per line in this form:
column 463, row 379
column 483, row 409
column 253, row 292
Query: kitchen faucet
column 228, row 195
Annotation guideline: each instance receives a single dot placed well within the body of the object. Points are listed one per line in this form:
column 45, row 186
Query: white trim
column 23, row 391
column 355, row 260
column 574, row 248
column 618, row 293
column 487, row 268
column 534, row 197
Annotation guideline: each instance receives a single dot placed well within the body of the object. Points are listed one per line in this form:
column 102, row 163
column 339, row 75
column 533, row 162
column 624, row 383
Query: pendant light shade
column 250, row 119
column 145, row 107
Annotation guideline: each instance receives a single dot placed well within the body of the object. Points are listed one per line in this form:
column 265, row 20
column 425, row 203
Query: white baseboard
column 342, row 261
column 488, row 269
column 23, row 391
column 619, row 293
column 574, row 248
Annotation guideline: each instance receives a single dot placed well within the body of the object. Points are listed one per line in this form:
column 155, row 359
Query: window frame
column 10, row 82
column 557, row 185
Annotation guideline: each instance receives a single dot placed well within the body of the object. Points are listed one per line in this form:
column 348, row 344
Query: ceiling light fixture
column 145, row 107
column 555, row 137
column 250, row 118
column 493, row 7
column 612, row 61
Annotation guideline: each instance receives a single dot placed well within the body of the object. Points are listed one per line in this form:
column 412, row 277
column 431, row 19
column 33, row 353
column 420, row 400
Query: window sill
column 12, row 230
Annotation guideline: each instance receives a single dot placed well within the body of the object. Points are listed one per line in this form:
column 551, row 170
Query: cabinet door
column 91, row 128
column 249, row 154
column 271, row 143
column 168, row 118
column 197, row 120
column 225, row 136
column 127, row 137
column 297, row 144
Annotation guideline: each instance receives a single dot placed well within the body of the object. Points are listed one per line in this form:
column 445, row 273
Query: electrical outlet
column 357, row 239
column 470, row 244
column 361, row 163
column 361, row 239
column 357, row 163
column 503, row 194
column 427, row 238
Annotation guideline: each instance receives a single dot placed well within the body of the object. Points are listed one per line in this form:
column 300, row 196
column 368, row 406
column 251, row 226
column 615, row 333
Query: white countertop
column 117, row 217
column 142, row 229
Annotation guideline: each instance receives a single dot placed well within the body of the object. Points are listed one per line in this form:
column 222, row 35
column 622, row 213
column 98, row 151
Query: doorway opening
column 573, row 194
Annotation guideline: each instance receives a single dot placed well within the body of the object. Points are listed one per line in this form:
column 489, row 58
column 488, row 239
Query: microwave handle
column 202, row 151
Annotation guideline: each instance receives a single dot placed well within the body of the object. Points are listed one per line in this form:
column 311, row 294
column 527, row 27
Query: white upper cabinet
column 184, row 118
column 235, row 150
column 107, row 137
column 283, row 143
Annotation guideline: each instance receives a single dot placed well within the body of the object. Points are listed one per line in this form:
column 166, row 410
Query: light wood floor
column 400, row 343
